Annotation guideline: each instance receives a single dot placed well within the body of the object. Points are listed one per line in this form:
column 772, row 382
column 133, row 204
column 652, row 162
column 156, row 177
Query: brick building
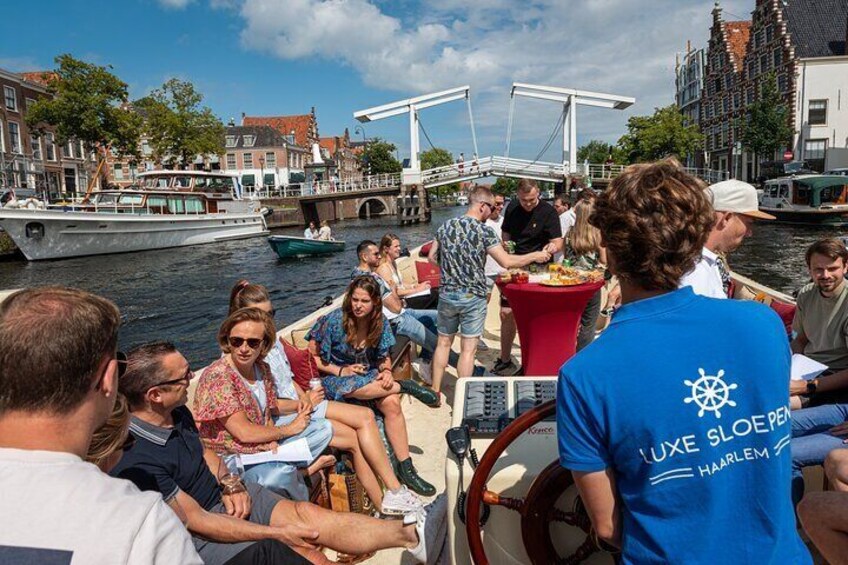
column 31, row 161
column 782, row 38
column 344, row 156
column 301, row 132
column 258, row 155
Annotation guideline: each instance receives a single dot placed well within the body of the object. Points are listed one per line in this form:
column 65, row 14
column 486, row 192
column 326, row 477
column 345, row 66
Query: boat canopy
column 823, row 189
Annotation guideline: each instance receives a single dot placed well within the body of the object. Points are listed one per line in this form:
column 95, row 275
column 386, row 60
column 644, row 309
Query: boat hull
column 62, row 234
column 287, row 246
column 810, row 217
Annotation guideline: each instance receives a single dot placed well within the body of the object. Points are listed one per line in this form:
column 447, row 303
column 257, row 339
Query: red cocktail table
column 548, row 318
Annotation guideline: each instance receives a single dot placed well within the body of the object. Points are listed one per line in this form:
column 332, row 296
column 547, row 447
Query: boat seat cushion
column 786, row 313
column 302, row 364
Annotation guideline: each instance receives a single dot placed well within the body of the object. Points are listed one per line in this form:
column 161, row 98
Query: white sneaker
column 425, row 372
column 431, row 528
column 401, row 503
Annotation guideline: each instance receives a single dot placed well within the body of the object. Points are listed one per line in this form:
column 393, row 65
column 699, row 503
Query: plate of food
column 563, row 281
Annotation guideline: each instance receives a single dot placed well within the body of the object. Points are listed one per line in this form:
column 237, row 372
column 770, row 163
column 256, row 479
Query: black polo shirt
column 531, row 231
column 168, row 460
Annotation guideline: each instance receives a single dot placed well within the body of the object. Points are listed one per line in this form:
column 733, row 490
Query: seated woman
column 390, row 250
column 325, row 233
column 351, row 346
column 354, row 427
column 235, row 406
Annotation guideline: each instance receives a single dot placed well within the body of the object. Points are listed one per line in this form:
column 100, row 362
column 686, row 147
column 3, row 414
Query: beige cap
column 737, row 197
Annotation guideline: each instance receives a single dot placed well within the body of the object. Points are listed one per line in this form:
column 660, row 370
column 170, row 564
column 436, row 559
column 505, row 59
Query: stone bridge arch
column 374, row 206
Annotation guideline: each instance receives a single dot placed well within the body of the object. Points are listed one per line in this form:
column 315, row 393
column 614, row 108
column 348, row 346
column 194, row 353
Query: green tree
column 660, row 135
column 88, row 104
column 438, row 157
column 178, row 128
column 505, row 186
column 766, row 128
column 597, row 152
column 378, row 155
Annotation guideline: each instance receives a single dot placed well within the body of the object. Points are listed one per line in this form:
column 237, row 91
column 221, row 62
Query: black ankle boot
column 409, row 476
column 425, row 395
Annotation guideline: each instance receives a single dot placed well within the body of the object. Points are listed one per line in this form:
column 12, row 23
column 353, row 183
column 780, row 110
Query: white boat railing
column 373, row 182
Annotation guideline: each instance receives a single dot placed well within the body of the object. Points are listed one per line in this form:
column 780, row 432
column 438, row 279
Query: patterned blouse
column 221, row 392
column 331, row 339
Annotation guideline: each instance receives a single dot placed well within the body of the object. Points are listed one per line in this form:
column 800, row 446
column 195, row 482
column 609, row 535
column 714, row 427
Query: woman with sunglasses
column 235, row 406
column 351, row 347
column 354, row 427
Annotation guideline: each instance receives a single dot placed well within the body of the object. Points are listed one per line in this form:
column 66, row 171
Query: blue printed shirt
column 464, row 243
column 685, row 399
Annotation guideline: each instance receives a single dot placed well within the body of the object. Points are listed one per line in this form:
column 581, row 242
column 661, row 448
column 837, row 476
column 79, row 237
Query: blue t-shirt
column 464, row 243
column 685, row 399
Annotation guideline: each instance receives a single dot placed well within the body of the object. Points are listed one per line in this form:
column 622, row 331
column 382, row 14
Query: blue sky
column 274, row 57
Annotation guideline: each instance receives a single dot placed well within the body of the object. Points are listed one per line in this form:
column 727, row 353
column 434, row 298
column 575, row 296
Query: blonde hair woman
column 583, row 250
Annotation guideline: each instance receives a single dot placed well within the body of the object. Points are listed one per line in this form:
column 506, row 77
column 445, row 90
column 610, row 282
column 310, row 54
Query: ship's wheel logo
column 710, row 393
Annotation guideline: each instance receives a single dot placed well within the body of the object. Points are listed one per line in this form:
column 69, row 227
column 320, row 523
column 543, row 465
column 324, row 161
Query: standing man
column 735, row 207
column 460, row 248
column 643, row 414
column 59, row 374
column 533, row 225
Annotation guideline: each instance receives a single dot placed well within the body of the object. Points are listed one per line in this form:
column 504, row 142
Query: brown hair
column 526, row 185
column 584, row 238
column 480, row 193
column 654, row 220
column 144, row 370
column 53, row 340
column 245, row 294
column 830, row 247
column 386, row 242
column 108, row 438
column 375, row 323
column 248, row 315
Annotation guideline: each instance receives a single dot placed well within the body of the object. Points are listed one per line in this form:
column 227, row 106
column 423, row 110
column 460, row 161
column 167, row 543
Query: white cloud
column 618, row 46
column 174, row 4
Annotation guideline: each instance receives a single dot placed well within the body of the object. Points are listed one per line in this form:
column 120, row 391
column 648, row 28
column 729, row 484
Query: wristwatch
column 812, row 386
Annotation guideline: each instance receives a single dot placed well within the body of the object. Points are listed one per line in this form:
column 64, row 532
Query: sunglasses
column 186, row 378
column 491, row 206
column 252, row 342
column 128, row 443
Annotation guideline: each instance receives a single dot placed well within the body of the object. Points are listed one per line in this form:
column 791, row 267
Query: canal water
column 181, row 294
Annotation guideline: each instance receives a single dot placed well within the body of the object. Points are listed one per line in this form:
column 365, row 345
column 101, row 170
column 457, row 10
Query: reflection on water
column 181, row 294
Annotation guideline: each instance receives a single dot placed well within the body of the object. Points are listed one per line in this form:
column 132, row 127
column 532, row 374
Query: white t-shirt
column 566, row 222
column 705, row 278
column 325, row 234
column 56, row 508
column 492, row 266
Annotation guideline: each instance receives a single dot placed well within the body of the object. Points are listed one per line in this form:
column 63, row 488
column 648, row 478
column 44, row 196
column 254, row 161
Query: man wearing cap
column 735, row 207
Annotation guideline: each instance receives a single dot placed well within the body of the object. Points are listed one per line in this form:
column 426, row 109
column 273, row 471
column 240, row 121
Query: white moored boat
column 166, row 209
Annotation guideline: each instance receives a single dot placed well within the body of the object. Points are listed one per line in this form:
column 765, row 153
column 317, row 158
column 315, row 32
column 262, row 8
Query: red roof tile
column 328, row 143
column 39, row 77
column 737, row 34
column 285, row 125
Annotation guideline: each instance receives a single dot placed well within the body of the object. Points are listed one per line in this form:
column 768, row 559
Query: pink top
column 221, row 392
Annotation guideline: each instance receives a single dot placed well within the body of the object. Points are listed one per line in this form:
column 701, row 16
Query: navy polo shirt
column 168, row 460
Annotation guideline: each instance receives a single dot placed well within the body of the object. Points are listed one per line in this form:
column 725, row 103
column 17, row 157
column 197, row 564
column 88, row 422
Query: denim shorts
column 461, row 312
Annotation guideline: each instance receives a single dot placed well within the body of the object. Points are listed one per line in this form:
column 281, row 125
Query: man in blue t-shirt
column 675, row 422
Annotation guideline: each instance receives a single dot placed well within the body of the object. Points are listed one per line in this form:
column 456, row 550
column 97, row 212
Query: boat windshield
column 107, row 198
column 156, row 182
column 213, row 184
column 130, row 199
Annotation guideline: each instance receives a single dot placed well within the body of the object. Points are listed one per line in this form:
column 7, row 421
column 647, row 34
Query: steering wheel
column 538, row 509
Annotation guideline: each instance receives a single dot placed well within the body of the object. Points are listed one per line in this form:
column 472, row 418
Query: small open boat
column 290, row 246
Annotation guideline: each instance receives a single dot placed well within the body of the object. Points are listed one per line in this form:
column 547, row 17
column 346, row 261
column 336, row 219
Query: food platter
column 557, row 275
column 563, row 282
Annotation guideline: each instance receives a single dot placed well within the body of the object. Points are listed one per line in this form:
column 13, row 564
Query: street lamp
column 361, row 131
column 262, row 170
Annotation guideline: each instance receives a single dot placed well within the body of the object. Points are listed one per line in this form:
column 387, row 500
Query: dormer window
column 249, row 140
column 231, row 141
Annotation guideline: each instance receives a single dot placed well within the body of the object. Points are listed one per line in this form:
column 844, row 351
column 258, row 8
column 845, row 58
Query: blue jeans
column 420, row 327
column 285, row 478
column 461, row 312
column 811, row 442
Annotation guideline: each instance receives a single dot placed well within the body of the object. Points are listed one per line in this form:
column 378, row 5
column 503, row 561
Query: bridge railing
column 373, row 182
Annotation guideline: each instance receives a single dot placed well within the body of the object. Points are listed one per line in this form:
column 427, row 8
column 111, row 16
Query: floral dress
column 221, row 392
column 333, row 348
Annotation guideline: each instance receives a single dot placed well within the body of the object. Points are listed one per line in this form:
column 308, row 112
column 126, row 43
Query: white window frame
column 37, row 153
column 2, row 139
column 118, row 171
column 809, row 110
column 249, row 140
column 6, row 91
column 232, row 162
column 29, row 102
column 244, row 159
column 20, row 148
column 231, row 140
column 270, row 159
column 51, row 144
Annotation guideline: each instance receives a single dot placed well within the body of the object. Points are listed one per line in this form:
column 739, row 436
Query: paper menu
column 425, row 292
column 804, row 368
column 291, row 452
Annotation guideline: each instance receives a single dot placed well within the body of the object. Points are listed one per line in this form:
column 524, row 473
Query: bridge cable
column 473, row 131
column 509, row 123
column 557, row 128
column 424, row 130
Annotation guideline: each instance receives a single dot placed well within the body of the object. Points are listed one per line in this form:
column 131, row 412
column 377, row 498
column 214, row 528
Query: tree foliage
column 89, row 104
column 178, row 128
column 766, row 128
column 660, row 135
column 597, row 152
column 505, row 186
column 438, row 157
column 379, row 156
